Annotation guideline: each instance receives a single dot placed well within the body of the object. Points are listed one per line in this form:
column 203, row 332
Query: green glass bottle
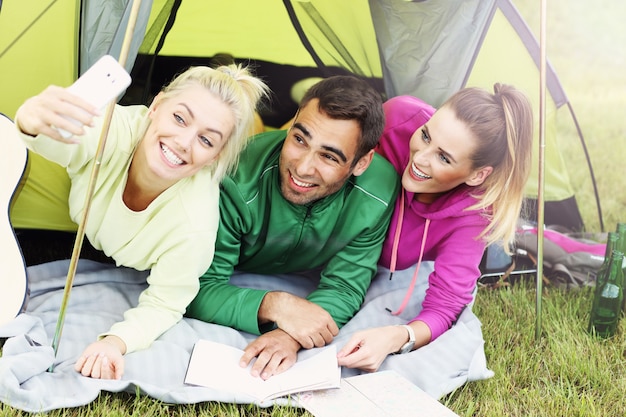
column 611, row 245
column 607, row 304
column 620, row 231
column 620, row 245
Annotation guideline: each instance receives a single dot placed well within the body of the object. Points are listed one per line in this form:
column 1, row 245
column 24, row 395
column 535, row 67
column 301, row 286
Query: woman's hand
column 103, row 359
column 49, row 111
column 368, row 349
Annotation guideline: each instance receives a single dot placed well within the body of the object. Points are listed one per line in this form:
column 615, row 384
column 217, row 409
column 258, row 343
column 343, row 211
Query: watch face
column 407, row 347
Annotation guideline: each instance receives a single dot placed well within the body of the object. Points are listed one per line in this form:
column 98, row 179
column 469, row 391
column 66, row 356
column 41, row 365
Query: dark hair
column 346, row 97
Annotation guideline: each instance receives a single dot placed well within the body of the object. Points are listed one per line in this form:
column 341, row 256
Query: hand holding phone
column 100, row 84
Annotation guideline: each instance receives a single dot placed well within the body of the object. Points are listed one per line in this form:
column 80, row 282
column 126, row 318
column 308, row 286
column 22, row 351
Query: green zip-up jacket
column 261, row 232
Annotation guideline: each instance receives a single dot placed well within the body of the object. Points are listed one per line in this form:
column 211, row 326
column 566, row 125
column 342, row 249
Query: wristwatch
column 408, row 346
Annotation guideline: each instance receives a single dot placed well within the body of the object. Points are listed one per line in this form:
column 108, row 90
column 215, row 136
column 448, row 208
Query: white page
column 379, row 394
column 216, row 365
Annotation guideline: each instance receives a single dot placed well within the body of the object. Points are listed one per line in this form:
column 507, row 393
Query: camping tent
column 425, row 48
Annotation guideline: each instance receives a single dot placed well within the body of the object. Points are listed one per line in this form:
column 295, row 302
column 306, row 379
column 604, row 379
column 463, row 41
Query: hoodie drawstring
column 396, row 236
column 394, row 255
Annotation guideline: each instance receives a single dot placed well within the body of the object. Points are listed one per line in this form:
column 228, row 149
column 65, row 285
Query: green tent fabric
column 424, row 48
column 32, row 56
column 499, row 59
column 37, row 47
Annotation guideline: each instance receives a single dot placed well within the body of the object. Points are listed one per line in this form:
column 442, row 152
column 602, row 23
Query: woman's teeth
column 171, row 156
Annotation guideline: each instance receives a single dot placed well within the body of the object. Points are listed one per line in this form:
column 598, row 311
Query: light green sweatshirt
column 173, row 237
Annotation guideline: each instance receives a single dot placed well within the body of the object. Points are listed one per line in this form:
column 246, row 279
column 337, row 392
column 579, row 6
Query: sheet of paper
column 379, row 394
column 215, row 365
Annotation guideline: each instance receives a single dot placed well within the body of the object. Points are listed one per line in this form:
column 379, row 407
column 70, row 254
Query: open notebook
column 216, row 365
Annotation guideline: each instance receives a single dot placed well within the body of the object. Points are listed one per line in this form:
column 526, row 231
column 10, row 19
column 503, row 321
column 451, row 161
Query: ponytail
column 502, row 123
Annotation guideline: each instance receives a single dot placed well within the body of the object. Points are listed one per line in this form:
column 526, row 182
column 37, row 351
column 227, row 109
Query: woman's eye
column 178, row 118
column 206, row 141
column 425, row 136
column 444, row 158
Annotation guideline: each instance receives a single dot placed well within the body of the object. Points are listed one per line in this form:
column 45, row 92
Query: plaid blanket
column 102, row 292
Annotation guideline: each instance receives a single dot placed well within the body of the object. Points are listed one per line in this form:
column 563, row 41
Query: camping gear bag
column 570, row 260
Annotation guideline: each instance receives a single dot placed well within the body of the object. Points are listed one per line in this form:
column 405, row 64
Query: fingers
column 318, row 338
column 249, row 353
column 55, row 108
column 80, row 363
column 102, row 360
column 305, row 340
column 361, row 358
column 333, row 329
column 89, row 365
column 99, row 367
column 275, row 352
column 269, row 363
column 263, row 354
column 352, row 346
column 285, row 364
column 118, row 369
column 305, row 321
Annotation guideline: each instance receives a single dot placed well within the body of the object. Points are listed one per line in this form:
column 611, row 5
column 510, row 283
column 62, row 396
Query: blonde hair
column 234, row 85
column 502, row 124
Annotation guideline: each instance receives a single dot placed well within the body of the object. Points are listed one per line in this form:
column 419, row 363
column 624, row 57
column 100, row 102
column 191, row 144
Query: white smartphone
column 100, row 84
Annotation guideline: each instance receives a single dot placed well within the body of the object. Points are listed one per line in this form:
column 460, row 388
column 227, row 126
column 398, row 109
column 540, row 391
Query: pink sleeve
column 451, row 284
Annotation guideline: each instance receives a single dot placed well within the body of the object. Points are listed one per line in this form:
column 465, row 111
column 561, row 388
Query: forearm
column 451, row 285
column 115, row 341
column 422, row 334
column 141, row 327
column 61, row 153
column 347, row 276
column 159, row 307
column 399, row 336
column 269, row 309
column 143, row 324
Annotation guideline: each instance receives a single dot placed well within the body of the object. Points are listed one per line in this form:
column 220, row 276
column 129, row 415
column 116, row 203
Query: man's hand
column 275, row 352
column 103, row 359
column 309, row 324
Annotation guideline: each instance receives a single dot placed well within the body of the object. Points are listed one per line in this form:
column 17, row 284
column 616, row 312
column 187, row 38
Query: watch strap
column 408, row 346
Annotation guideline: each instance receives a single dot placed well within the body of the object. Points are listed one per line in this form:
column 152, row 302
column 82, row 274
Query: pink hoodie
column 451, row 237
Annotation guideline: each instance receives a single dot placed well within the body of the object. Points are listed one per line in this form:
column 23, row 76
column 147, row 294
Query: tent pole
column 542, row 146
column 80, row 234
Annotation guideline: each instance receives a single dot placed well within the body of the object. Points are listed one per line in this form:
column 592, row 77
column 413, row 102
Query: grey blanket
column 100, row 295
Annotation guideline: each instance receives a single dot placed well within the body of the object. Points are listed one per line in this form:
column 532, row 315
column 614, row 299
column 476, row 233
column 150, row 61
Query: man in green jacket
column 314, row 196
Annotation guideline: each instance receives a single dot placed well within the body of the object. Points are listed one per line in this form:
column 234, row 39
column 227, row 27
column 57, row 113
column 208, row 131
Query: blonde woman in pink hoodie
column 463, row 168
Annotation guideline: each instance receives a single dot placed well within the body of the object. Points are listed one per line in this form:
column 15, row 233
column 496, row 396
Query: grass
column 565, row 372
